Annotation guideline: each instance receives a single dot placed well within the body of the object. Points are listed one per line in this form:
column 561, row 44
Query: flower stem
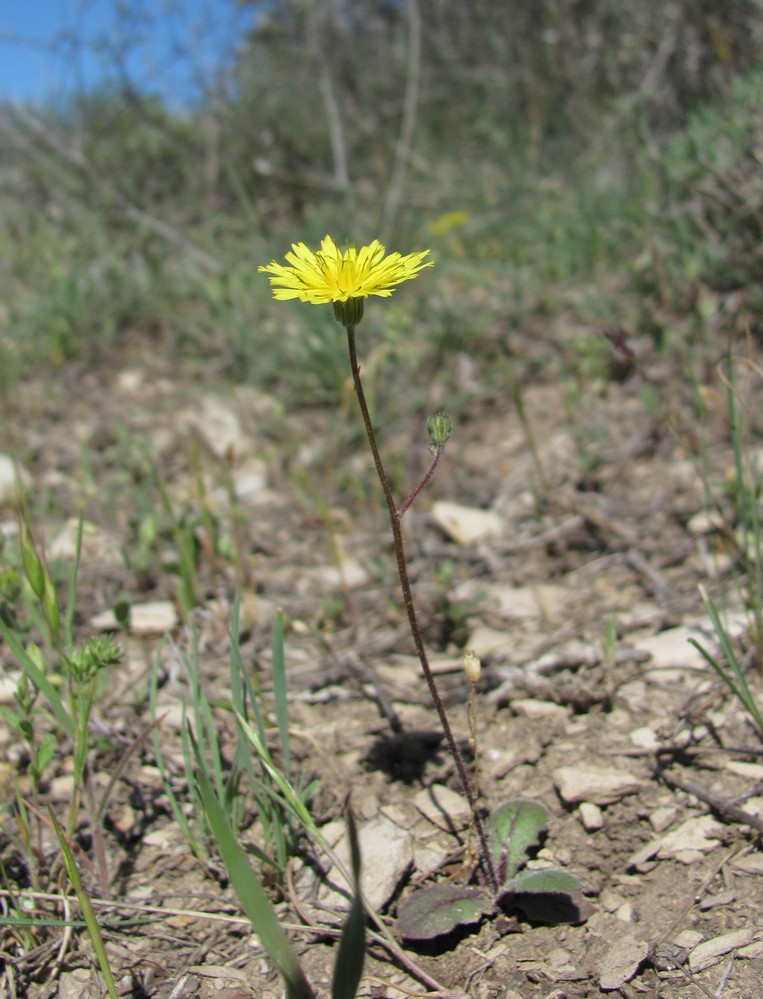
column 402, row 569
column 429, row 473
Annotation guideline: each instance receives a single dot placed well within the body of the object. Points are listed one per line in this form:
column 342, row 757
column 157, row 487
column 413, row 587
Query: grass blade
column 252, row 897
column 87, row 909
column 38, row 679
column 351, row 954
column 279, row 692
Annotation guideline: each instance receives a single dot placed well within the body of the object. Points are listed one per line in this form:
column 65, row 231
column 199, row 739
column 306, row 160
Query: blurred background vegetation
column 584, row 163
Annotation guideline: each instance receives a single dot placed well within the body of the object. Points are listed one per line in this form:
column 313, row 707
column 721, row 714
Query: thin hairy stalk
column 430, row 472
column 402, row 570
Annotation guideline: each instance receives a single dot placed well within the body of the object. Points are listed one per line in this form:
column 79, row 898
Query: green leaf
column 38, row 679
column 513, row 828
column 432, row 912
column 251, row 895
column 548, row 881
column 351, row 954
column 86, row 905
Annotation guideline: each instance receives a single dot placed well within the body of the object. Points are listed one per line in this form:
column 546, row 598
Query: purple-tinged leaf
column 439, row 909
column 513, row 828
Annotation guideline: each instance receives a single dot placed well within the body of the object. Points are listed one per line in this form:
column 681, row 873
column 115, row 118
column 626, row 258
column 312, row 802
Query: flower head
column 330, row 275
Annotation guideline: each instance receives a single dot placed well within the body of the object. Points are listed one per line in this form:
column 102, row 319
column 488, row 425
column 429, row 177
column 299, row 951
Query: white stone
column 750, row 864
column 591, row 816
column 442, row 806
column 519, row 602
column 752, row 771
column 485, row 641
column 692, row 837
column 466, row 524
column 152, row 618
column 155, row 617
column 598, row 785
column 217, row 423
column 530, row 707
column 644, row 738
column 707, row 953
column 250, row 479
column 663, row 817
column 671, row 648
column 386, row 854
column 621, row 962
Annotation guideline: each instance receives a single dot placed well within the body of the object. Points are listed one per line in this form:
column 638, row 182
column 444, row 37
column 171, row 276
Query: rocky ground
column 574, row 577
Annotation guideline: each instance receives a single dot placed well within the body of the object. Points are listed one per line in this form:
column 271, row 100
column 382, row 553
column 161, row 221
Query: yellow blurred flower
column 330, row 275
column 450, row 220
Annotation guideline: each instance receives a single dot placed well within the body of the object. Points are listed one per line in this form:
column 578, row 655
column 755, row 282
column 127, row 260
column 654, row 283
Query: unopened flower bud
column 439, row 428
column 33, row 567
column 472, row 667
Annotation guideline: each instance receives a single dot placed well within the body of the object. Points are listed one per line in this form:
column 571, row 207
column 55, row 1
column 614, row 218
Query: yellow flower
column 330, row 275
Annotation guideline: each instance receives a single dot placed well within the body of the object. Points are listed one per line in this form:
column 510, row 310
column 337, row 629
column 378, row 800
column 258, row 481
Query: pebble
column 597, row 785
column 671, row 648
column 442, row 806
column 217, row 423
column 688, row 842
column 386, row 854
column 516, row 603
column 591, row 816
column 532, row 708
column 663, row 817
column 707, row 953
column 155, row 617
column 622, row 961
column 466, row 524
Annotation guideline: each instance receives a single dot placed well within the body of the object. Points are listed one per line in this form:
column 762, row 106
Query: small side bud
column 472, row 667
column 33, row 568
column 439, row 428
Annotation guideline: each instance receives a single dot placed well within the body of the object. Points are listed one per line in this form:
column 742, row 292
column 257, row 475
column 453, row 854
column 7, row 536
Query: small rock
column 640, row 859
column 153, row 618
column 591, row 816
column 442, row 806
column 705, row 522
column 671, row 648
column 156, row 617
column 78, row 984
column 753, row 771
column 466, row 524
column 250, row 479
column 522, row 602
column 644, row 738
column 485, row 641
column 663, row 817
column 610, row 900
column 707, row 953
column 600, row 786
column 624, row 912
column 531, row 707
column 688, row 939
column 693, row 838
column 350, row 574
column 751, row 864
column 622, row 961
column 217, row 423
column 386, row 853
